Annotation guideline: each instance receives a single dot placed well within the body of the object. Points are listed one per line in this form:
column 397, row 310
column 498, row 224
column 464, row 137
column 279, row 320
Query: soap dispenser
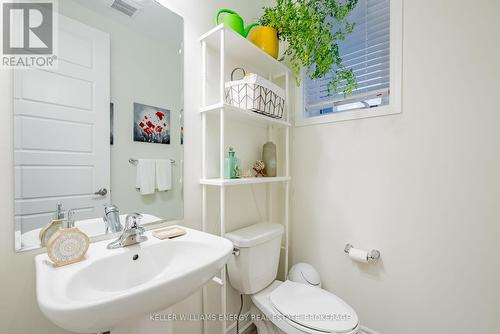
column 231, row 165
column 53, row 226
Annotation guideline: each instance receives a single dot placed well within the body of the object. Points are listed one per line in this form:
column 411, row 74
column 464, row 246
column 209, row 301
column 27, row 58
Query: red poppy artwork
column 151, row 124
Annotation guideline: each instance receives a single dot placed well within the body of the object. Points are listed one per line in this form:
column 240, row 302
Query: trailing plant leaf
column 312, row 29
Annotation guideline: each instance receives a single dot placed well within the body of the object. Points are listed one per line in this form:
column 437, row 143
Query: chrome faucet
column 59, row 214
column 132, row 234
column 112, row 219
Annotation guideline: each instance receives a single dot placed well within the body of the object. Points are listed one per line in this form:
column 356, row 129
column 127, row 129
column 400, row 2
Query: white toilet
column 289, row 307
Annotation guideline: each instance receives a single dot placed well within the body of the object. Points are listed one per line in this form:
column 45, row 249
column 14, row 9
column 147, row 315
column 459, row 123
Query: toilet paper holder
column 372, row 255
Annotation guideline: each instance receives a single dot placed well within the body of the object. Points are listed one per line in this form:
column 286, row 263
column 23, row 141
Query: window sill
column 348, row 115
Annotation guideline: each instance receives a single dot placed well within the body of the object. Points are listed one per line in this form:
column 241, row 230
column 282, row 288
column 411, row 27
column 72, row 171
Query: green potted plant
column 311, row 30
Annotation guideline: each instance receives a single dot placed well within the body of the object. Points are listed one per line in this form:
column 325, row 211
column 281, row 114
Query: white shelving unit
column 244, row 114
column 239, row 182
column 234, row 49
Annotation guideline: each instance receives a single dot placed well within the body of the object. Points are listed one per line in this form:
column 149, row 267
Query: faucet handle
column 59, row 214
column 131, row 221
column 70, row 218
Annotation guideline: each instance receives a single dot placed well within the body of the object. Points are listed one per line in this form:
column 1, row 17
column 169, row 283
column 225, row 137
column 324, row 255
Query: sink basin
column 111, row 286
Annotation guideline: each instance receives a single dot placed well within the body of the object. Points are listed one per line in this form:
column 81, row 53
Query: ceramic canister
column 266, row 38
column 269, row 158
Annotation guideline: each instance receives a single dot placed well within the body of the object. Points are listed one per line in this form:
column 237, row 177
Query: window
column 373, row 51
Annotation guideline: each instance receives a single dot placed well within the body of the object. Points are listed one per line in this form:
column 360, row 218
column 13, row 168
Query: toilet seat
column 313, row 310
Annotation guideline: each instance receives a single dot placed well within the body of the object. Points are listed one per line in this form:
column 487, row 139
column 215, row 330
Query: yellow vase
column 266, row 38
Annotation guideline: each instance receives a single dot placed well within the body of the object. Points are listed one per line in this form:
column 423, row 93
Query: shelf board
column 245, row 115
column 244, row 181
column 243, row 51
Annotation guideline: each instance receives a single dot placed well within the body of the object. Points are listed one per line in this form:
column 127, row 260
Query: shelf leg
column 287, row 172
column 222, row 128
column 223, row 271
column 204, row 292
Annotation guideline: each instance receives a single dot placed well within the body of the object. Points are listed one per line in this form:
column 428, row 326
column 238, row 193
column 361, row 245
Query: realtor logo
column 27, row 28
column 28, row 34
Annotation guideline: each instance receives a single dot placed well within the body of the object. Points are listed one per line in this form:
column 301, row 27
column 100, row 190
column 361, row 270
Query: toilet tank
column 256, row 266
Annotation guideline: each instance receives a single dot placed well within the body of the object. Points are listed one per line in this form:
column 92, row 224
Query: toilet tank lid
column 255, row 234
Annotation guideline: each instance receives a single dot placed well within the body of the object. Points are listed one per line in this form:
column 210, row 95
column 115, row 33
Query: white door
column 61, row 123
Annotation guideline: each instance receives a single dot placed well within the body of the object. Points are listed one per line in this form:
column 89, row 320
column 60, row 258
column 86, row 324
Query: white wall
column 19, row 312
column 422, row 186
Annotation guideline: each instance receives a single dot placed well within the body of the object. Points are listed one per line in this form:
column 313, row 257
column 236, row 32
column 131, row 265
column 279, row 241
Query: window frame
column 395, row 84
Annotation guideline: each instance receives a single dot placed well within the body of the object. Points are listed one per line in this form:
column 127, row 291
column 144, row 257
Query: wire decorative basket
column 256, row 94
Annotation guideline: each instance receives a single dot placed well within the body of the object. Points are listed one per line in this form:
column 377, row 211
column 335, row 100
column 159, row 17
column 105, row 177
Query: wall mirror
column 115, row 99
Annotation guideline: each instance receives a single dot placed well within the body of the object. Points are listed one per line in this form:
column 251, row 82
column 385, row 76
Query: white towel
column 145, row 180
column 163, row 174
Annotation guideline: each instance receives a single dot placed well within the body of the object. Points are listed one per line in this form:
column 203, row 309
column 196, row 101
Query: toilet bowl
column 296, row 308
column 282, row 307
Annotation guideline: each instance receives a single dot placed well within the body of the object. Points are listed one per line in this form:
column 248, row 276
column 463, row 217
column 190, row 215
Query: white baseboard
column 244, row 324
column 366, row 330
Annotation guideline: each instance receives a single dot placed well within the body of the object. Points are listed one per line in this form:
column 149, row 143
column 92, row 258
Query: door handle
column 101, row 192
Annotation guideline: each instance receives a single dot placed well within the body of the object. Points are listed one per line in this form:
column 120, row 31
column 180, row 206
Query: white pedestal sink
column 112, row 286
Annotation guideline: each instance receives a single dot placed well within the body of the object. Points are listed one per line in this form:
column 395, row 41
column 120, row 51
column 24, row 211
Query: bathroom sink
column 111, row 286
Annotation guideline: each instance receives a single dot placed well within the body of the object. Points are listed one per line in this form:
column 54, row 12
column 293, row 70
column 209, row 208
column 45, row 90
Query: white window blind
column 367, row 52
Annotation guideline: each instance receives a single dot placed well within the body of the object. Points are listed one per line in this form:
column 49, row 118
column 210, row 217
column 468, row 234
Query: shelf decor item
column 255, row 93
column 260, row 168
column 232, row 20
column 247, row 173
column 269, row 158
column 231, row 165
column 266, row 38
column 311, row 30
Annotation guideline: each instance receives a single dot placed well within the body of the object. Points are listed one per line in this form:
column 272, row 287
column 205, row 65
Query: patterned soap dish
column 67, row 246
column 169, row 232
column 48, row 231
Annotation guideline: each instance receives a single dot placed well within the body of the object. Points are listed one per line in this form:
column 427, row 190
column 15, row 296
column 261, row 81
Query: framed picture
column 151, row 124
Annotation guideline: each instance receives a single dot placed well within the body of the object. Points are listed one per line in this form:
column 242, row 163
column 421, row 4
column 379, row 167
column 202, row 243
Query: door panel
column 54, row 135
column 50, row 181
column 80, row 52
column 56, row 88
column 61, row 121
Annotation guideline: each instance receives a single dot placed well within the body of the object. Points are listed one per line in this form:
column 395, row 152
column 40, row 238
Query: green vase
column 231, row 165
